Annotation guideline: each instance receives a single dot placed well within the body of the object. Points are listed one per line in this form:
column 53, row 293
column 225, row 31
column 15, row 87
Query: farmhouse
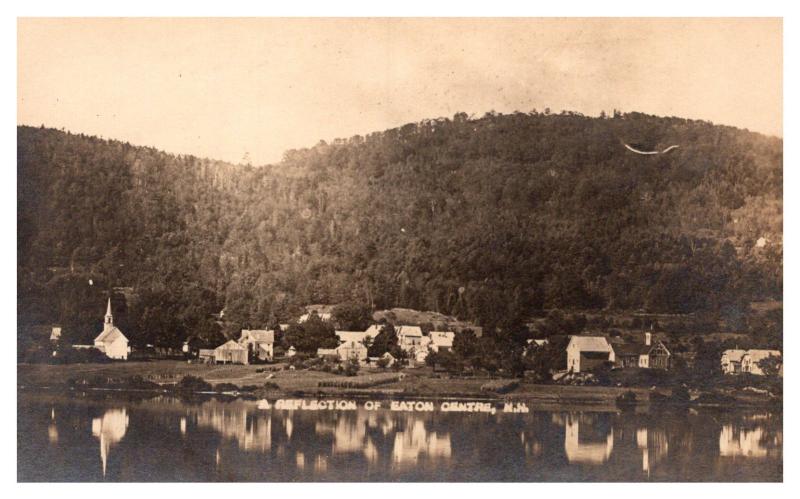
column 409, row 337
column 258, row 342
column 352, row 350
column 111, row 341
column 441, row 341
column 736, row 361
column 647, row 355
column 348, row 336
column 230, row 352
column 585, row 353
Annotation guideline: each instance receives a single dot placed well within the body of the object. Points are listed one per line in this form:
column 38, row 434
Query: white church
column 111, row 341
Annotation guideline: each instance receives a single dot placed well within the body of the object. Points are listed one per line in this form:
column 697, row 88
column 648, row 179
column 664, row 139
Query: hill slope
column 483, row 219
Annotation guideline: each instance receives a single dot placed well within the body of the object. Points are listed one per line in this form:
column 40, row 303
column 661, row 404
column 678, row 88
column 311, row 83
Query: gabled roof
column 374, row 330
column 734, row 355
column 258, row 335
column 408, row 331
column 230, row 345
column 757, row 355
column 628, row 349
column 55, row 333
column 351, row 345
column 442, row 338
column 110, row 336
column 357, row 336
column 324, row 316
column 590, row 343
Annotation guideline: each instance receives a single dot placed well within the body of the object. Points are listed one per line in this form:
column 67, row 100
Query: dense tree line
column 489, row 219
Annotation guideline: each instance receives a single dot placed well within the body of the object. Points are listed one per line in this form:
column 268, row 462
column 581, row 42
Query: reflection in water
column 415, row 441
column 592, row 446
column 349, row 435
column 167, row 440
column 654, row 446
column 251, row 433
column 532, row 446
column 109, row 429
column 753, row 442
column 52, row 433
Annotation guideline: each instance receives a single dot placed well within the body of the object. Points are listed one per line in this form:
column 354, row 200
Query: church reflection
column 109, row 429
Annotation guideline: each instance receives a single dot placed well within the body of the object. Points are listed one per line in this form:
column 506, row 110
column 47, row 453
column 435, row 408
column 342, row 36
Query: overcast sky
column 225, row 87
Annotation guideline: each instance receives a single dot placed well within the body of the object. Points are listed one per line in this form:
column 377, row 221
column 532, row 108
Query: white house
column 587, row 352
column 55, row 333
column 736, row 361
column 352, row 350
column 346, row 336
column 258, row 341
column 324, row 316
column 111, row 341
column 409, row 337
column 441, row 341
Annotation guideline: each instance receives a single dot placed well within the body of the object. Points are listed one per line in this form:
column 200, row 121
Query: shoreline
column 582, row 401
column 161, row 377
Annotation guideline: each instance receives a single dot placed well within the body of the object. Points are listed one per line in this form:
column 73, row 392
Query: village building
column 258, row 342
column 324, row 312
column 325, row 317
column 409, row 337
column 328, row 353
column 646, row 355
column 352, row 350
column 291, row 352
column 111, row 341
column 585, row 353
column 354, row 336
column 737, row 361
column 231, row 352
column 206, row 355
column 55, row 334
column 441, row 341
column 390, row 360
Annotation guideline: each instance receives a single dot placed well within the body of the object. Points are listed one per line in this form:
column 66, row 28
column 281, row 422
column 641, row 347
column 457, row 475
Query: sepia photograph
column 399, row 249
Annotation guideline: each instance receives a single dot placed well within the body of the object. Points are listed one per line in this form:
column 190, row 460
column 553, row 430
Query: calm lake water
column 97, row 437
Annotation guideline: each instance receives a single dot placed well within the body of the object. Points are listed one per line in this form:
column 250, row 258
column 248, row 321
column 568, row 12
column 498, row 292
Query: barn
column 230, row 353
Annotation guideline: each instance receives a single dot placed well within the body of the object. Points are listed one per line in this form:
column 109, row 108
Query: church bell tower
column 109, row 320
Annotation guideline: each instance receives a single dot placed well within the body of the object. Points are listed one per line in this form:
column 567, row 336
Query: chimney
column 647, row 338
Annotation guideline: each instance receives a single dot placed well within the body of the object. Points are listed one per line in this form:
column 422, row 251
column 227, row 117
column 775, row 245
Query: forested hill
column 485, row 219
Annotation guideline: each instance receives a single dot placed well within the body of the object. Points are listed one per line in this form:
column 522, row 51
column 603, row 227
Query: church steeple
column 109, row 321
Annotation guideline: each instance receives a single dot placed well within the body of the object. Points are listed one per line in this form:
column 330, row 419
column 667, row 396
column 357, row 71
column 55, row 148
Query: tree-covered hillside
column 486, row 219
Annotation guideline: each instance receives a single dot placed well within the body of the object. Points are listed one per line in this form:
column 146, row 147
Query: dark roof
column 628, row 349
